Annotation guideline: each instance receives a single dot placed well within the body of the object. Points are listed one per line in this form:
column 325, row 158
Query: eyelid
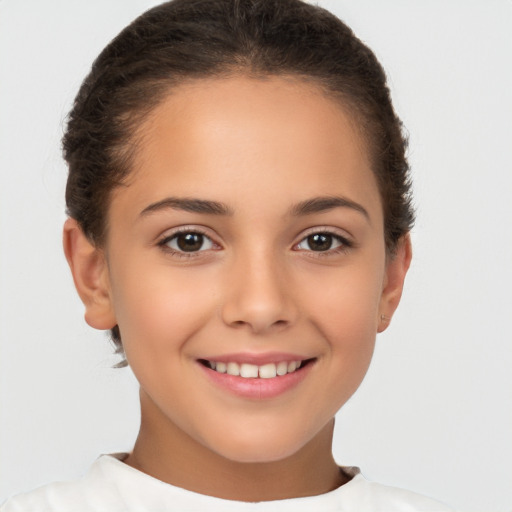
column 169, row 234
column 346, row 241
column 328, row 230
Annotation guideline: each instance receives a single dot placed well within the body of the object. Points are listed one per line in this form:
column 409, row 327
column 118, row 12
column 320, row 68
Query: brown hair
column 184, row 40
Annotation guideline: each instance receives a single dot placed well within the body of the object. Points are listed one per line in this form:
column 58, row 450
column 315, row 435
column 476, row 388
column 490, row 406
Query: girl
column 239, row 217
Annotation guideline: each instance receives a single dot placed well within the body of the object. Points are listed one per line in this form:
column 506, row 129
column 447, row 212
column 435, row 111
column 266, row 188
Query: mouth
column 253, row 371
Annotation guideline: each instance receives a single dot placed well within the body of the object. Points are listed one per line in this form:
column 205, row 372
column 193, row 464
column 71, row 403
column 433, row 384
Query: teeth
column 282, row 368
column 233, row 369
column 268, row 371
column 248, row 370
column 252, row 371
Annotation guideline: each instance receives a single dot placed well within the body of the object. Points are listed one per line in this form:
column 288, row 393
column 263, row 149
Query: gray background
column 435, row 412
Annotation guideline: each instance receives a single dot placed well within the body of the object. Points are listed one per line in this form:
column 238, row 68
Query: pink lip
column 257, row 388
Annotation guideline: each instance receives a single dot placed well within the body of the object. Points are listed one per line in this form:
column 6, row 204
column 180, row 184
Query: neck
column 169, row 454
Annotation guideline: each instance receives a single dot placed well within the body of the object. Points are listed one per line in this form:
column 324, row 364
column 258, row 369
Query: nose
column 259, row 295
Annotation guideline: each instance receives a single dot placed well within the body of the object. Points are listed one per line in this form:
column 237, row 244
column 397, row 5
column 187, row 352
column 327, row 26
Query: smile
column 253, row 371
column 257, row 377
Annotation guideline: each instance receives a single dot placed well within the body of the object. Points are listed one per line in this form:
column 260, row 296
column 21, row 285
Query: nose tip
column 259, row 299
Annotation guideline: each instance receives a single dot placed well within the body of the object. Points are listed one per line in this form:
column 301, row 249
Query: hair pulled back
column 184, row 40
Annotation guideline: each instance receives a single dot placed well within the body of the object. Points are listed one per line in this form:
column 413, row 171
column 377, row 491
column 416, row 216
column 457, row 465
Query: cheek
column 346, row 304
column 157, row 308
column 344, row 310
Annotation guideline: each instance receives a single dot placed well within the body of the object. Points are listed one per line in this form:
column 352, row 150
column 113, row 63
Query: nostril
column 239, row 323
column 254, row 325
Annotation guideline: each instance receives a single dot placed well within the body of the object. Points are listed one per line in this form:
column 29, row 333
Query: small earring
column 384, row 318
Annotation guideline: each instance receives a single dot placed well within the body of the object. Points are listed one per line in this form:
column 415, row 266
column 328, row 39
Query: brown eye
column 189, row 242
column 321, row 242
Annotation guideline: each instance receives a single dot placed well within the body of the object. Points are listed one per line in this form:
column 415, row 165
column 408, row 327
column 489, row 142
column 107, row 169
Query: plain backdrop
column 434, row 414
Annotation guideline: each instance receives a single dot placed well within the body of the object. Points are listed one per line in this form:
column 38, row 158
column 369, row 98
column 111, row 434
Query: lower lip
column 257, row 388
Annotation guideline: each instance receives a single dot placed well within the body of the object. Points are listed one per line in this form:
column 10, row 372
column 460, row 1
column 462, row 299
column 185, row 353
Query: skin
column 260, row 147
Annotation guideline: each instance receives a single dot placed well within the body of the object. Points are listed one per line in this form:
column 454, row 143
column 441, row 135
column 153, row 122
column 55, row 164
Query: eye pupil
column 320, row 242
column 190, row 242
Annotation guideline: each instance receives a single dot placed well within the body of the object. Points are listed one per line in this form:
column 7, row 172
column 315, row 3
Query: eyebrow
column 188, row 205
column 307, row 207
column 326, row 203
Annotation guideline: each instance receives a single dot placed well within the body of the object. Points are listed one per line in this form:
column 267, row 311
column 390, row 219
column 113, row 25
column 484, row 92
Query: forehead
column 277, row 135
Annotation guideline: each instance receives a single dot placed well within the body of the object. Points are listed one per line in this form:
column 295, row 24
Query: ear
column 90, row 274
column 393, row 285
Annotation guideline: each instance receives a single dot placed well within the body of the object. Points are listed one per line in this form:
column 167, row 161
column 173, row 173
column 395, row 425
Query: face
column 248, row 238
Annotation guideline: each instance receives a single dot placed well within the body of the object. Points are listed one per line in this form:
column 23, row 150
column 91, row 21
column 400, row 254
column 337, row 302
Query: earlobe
column 396, row 270
column 90, row 275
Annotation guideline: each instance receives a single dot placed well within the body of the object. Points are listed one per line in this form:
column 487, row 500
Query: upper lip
column 256, row 359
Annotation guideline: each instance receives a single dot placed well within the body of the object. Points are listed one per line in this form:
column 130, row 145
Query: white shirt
column 112, row 486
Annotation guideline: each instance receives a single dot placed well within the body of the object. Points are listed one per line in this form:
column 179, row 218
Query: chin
column 261, row 448
column 259, row 455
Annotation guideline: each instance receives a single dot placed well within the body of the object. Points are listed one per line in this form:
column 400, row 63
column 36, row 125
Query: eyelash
column 163, row 244
column 344, row 247
column 345, row 244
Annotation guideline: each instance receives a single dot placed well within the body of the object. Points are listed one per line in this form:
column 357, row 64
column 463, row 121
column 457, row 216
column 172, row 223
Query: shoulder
column 368, row 495
column 91, row 492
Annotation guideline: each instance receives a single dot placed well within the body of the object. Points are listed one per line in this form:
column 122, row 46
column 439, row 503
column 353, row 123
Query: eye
column 188, row 241
column 322, row 242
